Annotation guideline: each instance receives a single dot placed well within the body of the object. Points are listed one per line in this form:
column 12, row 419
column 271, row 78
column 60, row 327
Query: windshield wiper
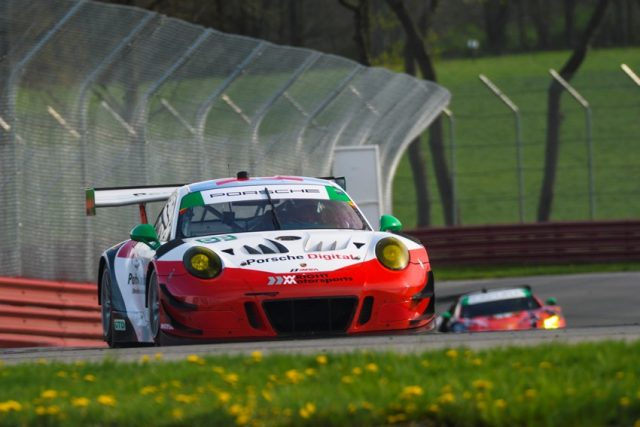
column 276, row 221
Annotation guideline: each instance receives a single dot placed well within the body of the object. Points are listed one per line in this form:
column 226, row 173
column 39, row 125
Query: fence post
column 516, row 111
column 587, row 110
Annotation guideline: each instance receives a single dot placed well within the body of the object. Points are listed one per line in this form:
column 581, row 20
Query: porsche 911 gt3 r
column 507, row 309
column 257, row 258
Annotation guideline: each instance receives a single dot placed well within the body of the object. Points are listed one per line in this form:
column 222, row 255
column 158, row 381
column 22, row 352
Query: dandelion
column 52, row 410
column 500, row 404
column 307, row 410
column 80, row 402
column 411, row 391
column 433, row 408
column 89, row 378
column 145, row 358
column 625, row 401
column 322, row 359
column 393, row 419
column 266, row 395
column 106, row 400
column 42, row 362
column 425, row 363
column 177, row 414
column 352, row 408
column 447, row 398
column 452, row 353
column 294, row 376
column 61, row 374
column 545, row 365
column 371, row 367
column 356, row 371
column 530, row 393
column 9, row 406
column 347, row 379
column 176, row 384
column 149, row 389
column 482, row 385
column 476, row 362
column 256, row 356
column 157, row 356
column 231, row 378
column 185, row 398
column 310, row 372
column 224, row 397
column 49, row 394
column 195, row 359
column 41, row 410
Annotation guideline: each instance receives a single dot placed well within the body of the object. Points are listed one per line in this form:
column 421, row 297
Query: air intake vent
column 311, row 316
column 273, row 247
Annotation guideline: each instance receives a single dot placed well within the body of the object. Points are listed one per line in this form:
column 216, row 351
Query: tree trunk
column 569, row 21
column 496, row 17
column 436, row 145
column 553, row 110
column 522, row 26
column 540, row 16
column 416, row 160
column 362, row 29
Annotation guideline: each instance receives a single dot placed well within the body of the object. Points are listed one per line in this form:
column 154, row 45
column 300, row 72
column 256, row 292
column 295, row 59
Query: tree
column 436, row 145
column 362, row 29
column 496, row 18
column 553, row 109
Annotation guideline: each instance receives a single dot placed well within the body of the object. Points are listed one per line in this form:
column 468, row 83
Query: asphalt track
column 597, row 307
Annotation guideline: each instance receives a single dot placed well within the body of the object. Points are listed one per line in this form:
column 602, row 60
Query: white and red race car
column 258, row 258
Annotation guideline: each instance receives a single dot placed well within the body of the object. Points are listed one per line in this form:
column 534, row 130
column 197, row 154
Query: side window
column 163, row 223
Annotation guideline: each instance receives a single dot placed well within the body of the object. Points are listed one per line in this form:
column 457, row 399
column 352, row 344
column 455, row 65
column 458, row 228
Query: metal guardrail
column 537, row 243
column 41, row 313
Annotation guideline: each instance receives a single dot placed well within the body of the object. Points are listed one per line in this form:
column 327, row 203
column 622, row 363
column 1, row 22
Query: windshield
column 268, row 214
column 493, row 308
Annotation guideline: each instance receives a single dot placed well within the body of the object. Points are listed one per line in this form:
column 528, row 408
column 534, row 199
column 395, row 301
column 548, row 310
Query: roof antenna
column 242, row 175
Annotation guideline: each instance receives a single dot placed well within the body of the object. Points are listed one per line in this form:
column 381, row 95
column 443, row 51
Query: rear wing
column 124, row 196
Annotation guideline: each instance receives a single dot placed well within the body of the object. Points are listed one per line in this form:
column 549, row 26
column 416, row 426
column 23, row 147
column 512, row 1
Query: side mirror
column 551, row 301
column 446, row 315
column 146, row 234
column 390, row 223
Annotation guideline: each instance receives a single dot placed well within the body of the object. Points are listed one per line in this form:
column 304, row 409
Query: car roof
column 483, row 296
column 243, row 182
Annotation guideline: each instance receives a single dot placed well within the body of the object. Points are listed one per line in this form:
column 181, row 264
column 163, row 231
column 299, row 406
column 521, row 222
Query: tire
column 106, row 307
column 153, row 305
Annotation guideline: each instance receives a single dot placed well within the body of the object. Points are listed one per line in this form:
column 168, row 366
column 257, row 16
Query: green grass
column 485, row 140
column 549, row 385
column 497, row 271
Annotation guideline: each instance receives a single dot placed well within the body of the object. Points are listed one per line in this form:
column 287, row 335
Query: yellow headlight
column 552, row 322
column 202, row 262
column 392, row 253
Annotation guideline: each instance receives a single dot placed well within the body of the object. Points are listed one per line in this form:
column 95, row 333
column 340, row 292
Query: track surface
column 597, row 307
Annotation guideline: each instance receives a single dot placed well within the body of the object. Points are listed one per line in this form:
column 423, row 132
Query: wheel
column 153, row 305
column 106, row 307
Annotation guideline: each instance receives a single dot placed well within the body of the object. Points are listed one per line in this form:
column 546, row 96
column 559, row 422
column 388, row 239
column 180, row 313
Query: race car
column 257, row 258
column 505, row 309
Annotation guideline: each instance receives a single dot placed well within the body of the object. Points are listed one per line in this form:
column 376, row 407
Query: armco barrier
column 38, row 313
column 537, row 243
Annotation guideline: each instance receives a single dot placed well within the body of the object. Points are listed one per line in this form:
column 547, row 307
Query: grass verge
column 586, row 384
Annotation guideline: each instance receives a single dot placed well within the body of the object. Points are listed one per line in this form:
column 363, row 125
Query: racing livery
column 507, row 309
column 257, row 258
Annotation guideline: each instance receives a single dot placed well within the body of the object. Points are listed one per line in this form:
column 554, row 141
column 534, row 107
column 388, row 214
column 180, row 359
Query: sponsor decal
column 119, row 325
column 136, row 284
column 306, row 279
column 260, row 192
column 251, row 261
column 302, row 270
column 330, row 256
column 216, row 239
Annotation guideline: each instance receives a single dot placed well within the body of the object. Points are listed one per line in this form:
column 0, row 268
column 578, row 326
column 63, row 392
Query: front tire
column 106, row 307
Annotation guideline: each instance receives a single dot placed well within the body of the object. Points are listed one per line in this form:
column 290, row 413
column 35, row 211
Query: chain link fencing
column 102, row 95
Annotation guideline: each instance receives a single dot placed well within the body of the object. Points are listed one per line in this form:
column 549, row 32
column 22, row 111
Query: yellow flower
column 266, row 394
column 89, row 378
column 500, row 404
column 371, row 367
column 42, row 362
column 619, row 375
column 352, row 408
column 80, row 402
column 185, row 398
column 218, row 370
column 10, row 405
column 425, row 363
column 452, row 353
column 310, row 372
column 411, row 391
column 482, row 385
column 356, row 371
column 256, row 356
column 48, row 410
column 307, row 410
column 157, row 356
column 145, row 358
column 433, row 408
column 41, row 410
column 224, row 397
column 625, row 401
column 545, row 365
column 392, row 419
column 49, row 394
column 321, row 359
column 177, row 414
column 530, row 393
column 231, row 378
column 107, row 400
column 637, row 423
column 149, row 389
column 447, row 398
column 61, row 374
column 347, row 379
column 195, row 359
column 476, row 362
column 294, row 376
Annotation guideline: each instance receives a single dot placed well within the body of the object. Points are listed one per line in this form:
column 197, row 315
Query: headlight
column 202, row 262
column 552, row 322
column 392, row 253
